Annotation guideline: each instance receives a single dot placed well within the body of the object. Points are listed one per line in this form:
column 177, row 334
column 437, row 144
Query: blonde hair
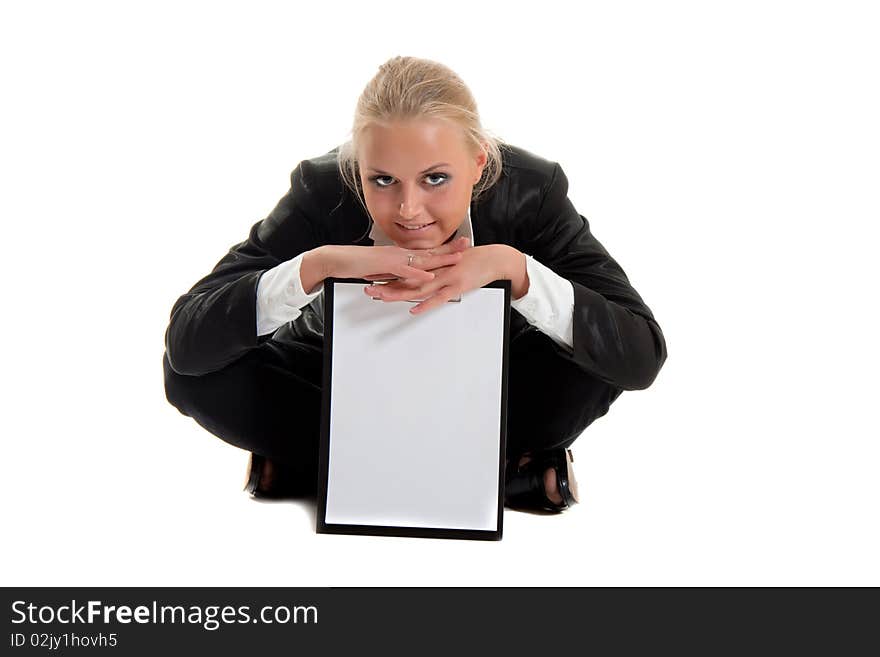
column 408, row 88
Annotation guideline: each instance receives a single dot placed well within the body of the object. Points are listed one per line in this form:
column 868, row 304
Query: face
column 418, row 173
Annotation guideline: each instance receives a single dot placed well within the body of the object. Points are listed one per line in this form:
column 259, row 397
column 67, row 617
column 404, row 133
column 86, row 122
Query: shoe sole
column 568, row 489
column 252, row 480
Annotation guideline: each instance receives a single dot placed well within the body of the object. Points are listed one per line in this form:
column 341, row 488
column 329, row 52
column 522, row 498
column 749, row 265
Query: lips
column 410, row 229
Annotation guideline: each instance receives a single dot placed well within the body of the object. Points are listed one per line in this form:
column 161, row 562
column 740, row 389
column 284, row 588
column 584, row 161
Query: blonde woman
column 422, row 194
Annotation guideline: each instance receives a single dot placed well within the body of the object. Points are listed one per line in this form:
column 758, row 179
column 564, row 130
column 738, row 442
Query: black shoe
column 284, row 484
column 524, row 485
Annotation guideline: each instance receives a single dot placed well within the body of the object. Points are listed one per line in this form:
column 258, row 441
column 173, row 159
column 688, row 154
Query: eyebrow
column 439, row 164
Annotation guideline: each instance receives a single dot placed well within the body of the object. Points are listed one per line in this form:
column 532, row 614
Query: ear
column 480, row 160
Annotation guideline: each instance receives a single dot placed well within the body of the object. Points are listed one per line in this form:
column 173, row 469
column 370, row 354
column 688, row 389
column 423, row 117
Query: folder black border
column 322, row 527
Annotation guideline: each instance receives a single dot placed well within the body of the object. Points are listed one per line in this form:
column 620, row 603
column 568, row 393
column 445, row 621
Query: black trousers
column 269, row 401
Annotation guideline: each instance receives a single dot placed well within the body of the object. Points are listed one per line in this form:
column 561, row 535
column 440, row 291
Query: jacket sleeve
column 615, row 335
column 215, row 322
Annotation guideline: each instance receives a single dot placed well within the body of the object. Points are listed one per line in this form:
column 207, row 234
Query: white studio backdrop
column 725, row 155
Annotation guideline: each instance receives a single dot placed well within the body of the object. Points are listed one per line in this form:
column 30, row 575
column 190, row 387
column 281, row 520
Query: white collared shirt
column 548, row 305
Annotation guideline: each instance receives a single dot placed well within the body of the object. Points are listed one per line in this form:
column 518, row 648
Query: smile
column 416, row 229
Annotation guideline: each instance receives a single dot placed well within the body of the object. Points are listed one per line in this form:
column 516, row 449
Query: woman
column 424, row 196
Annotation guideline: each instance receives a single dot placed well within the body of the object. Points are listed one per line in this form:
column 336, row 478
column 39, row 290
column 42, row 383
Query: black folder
column 414, row 414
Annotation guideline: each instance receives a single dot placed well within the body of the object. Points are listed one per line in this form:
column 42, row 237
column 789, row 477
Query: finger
column 428, row 260
column 394, row 278
column 435, row 261
column 438, row 299
column 391, row 291
column 449, row 258
column 396, row 292
column 405, row 271
column 385, row 290
column 404, row 284
column 459, row 244
column 374, row 291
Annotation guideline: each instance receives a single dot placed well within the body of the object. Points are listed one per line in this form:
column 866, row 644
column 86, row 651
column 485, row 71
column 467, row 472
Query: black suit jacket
column 615, row 335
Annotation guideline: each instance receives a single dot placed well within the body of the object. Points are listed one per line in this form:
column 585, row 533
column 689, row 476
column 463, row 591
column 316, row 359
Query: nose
column 410, row 203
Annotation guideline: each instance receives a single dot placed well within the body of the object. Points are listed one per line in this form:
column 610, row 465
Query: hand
column 478, row 266
column 384, row 262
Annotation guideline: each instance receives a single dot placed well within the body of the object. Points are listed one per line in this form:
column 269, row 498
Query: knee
column 597, row 398
column 176, row 390
column 582, row 390
column 568, row 396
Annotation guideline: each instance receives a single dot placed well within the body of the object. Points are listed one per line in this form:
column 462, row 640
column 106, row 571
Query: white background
column 726, row 154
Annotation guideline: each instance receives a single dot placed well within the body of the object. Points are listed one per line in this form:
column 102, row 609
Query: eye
column 443, row 178
column 438, row 178
column 375, row 181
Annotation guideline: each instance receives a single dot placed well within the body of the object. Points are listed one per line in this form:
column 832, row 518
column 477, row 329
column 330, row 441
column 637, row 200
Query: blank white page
column 415, row 411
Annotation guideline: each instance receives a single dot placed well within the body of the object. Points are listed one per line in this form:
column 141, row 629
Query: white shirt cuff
column 280, row 296
column 549, row 303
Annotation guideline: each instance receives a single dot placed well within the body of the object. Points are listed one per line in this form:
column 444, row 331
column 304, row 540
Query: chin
column 425, row 241
column 419, row 243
